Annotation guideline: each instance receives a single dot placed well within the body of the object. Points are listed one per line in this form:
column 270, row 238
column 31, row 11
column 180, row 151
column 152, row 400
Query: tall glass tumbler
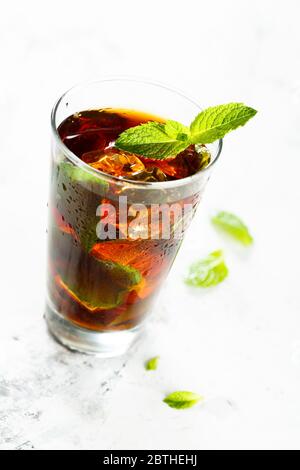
column 113, row 241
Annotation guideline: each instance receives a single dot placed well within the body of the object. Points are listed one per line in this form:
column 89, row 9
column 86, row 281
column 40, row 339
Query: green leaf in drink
column 78, row 196
column 103, row 286
column 208, row 272
column 106, row 291
column 234, row 226
column 182, row 399
column 79, row 175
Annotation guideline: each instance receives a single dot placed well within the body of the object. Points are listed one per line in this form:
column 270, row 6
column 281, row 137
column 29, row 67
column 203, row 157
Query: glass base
column 102, row 344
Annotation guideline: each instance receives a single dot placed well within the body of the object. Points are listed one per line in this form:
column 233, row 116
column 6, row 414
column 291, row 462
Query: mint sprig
column 162, row 140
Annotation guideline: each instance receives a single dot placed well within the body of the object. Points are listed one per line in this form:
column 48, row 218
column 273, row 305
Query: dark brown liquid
column 106, row 285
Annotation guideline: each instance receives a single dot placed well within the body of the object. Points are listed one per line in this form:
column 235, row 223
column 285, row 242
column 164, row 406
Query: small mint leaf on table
column 215, row 122
column 234, row 226
column 152, row 363
column 182, row 399
column 208, row 272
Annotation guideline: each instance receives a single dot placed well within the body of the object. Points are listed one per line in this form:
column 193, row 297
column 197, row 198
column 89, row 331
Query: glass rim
column 110, row 178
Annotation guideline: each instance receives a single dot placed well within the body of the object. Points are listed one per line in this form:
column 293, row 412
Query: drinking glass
column 100, row 291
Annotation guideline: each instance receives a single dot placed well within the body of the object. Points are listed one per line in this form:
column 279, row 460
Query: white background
column 237, row 344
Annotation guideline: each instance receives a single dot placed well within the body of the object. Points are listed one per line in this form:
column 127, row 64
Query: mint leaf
column 79, row 175
column 176, row 130
column 154, row 140
column 233, row 225
column 213, row 123
column 107, row 291
column 78, row 194
column 152, row 363
column 181, row 400
column 207, row 272
column 96, row 284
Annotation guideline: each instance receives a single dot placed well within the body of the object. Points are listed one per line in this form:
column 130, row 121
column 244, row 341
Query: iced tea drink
column 116, row 223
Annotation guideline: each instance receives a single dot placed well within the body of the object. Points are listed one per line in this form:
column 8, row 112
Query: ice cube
column 115, row 162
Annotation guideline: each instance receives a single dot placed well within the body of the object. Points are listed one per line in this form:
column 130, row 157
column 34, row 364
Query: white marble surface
column 237, row 344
